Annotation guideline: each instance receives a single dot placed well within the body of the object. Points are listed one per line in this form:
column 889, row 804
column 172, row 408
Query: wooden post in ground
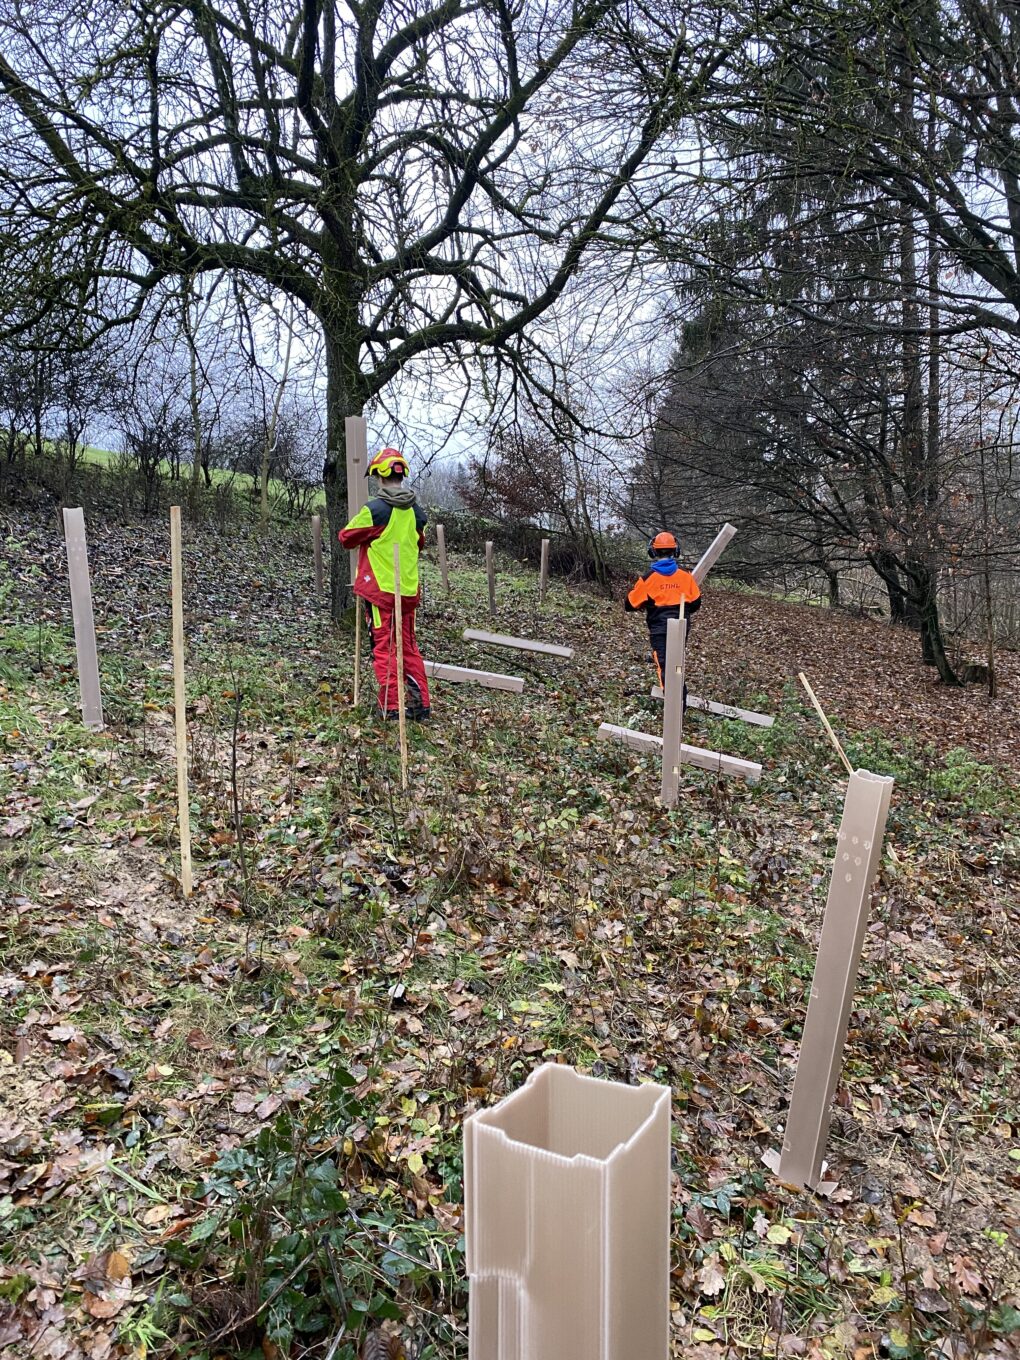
column 673, row 710
column 84, row 620
column 317, row 553
column 713, row 552
column 858, row 853
column 490, row 571
column 443, row 572
column 398, row 620
column 543, row 573
column 357, row 652
column 180, row 714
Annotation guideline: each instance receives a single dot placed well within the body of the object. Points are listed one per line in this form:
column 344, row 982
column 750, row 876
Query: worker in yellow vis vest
column 394, row 516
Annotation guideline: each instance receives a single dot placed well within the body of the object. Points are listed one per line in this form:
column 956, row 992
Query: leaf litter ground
column 365, row 968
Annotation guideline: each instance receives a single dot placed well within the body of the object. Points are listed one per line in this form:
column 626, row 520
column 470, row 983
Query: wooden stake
column 84, row 620
column 490, row 571
column 180, row 714
column 357, row 651
column 543, row 574
column 858, row 852
column 443, row 573
column 398, row 619
column 317, row 551
column 673, row 711
column 825, row 722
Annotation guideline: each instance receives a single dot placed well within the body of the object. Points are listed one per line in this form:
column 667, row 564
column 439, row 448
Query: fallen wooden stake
column 858, row 852
column 180, row 702
column 713, row 552
column 721, row 710
column 84, row 620
column 521, row 644
column 689, row 755
column 463, row 675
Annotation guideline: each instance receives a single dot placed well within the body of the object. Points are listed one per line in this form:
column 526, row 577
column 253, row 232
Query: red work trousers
column 381, row 620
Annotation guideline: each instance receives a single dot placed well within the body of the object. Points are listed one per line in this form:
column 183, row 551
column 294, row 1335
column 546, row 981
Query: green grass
column 243, row 482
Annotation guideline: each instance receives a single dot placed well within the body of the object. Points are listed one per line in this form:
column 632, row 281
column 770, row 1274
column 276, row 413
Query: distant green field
column 242, row 481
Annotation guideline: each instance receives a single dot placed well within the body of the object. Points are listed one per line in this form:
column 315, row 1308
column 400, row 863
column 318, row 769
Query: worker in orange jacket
column 665, row 592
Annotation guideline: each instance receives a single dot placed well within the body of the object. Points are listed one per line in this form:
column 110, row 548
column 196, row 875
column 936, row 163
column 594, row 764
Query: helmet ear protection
column 662, row 542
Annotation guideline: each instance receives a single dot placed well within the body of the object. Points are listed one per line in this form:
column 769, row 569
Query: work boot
column 417, row 710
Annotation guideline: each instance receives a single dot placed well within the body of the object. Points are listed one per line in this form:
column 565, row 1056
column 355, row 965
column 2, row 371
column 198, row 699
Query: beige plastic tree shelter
column 566, row 1198
column 856, row 861
column 356, row 442
column 84, row 619
column 521, row 644
column 673, row 710
column 464, row 675
column 713, row 552
column 543, row 572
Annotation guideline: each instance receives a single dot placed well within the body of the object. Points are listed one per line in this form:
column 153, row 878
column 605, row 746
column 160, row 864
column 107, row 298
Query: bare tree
column 382, row 164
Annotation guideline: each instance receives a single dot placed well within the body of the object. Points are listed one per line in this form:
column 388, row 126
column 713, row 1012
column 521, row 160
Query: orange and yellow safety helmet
column 385, row 462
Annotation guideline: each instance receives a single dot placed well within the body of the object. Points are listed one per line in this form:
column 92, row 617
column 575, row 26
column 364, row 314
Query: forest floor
column 231, row 1125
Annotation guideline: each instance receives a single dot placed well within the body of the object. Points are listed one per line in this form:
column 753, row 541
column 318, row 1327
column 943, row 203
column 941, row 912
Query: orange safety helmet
column 387, row 461
column 664, row 542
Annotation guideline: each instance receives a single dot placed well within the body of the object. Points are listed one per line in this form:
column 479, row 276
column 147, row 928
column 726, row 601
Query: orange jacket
column 664, row 595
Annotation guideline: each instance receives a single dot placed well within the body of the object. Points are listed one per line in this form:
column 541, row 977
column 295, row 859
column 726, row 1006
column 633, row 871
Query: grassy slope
column 241, row 481
column 177, row 1073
